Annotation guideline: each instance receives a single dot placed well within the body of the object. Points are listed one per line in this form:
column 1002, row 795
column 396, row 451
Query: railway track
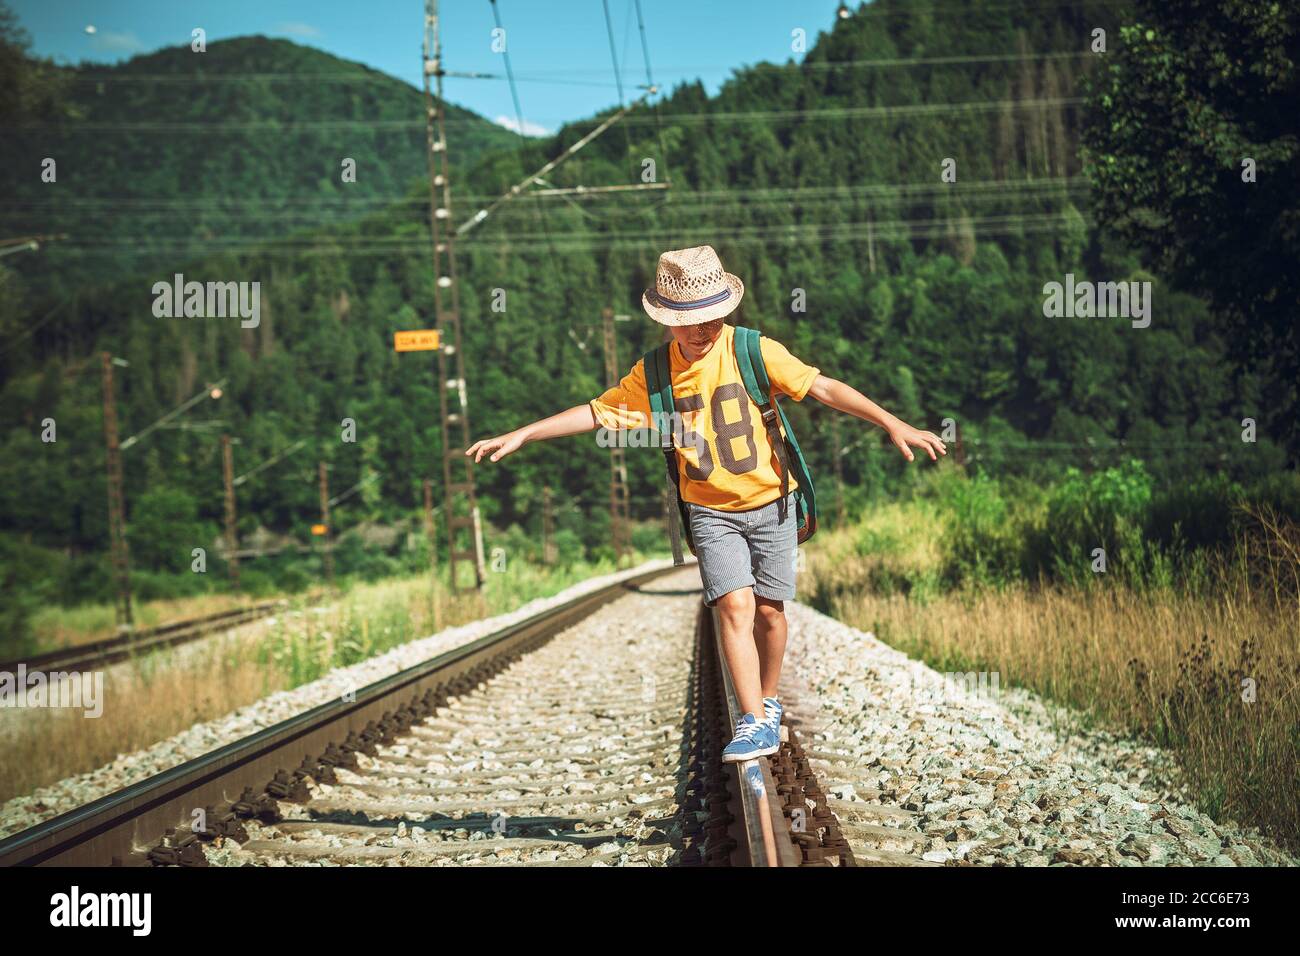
column 877, row 834
column 589, row 735
column 111, row 650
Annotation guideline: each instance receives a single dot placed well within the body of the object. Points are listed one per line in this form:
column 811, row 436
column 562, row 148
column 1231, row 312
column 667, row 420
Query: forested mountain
column 177, row 153
column 821, row 183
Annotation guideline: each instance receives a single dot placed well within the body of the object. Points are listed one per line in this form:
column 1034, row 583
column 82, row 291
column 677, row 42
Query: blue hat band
column 694, row 303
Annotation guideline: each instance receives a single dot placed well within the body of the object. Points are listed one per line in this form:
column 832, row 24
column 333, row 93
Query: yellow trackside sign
column 417, row 340
column 318, row 529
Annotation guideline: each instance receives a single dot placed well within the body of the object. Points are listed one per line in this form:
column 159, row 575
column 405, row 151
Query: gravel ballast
column 996, row 777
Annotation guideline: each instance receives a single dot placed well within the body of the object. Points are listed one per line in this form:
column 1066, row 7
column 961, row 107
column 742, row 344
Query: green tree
column 1194, row 93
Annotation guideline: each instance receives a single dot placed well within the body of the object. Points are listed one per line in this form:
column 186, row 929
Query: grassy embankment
column 1190, row 638
column 156, row 696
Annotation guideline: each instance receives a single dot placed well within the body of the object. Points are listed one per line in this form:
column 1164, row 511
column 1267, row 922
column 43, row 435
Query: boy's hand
column 904, row 434
column 496, row 448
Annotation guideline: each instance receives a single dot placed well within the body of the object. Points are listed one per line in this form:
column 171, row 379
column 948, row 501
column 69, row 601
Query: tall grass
column 56, row 627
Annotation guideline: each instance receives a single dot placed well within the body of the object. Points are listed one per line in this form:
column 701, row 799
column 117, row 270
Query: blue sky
column 559, row 49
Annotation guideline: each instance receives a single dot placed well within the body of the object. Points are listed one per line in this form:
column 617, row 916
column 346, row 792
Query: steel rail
column 760, row 830
column 113, row 649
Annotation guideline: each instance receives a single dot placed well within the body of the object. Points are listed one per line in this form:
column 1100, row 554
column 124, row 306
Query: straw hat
column 692, row 287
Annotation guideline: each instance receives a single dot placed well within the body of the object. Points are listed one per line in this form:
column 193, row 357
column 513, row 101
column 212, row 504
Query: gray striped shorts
column 741, row 549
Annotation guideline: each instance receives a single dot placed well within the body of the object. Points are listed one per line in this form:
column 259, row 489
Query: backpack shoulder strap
column 753, row 372
column 659, row 388
column 659, row 383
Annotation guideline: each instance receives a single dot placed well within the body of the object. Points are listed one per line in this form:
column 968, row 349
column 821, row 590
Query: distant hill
column 178, row 153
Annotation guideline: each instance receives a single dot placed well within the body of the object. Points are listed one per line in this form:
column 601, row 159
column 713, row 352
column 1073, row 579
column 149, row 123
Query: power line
column 600, row 236
column 209, row 391
column 682, row 197
column 841, row 112
column 314, row 79
column 536, row 177
column 899, row 62
column 368, row 480
column 583, row 243
column 33, row 328
column 269, row 462
column 879, row 64
column 627, row 33
column 545, row 76
column 650, row 83
column 967, row 8
column 613, row 53
column 510, row 76
column 523, row 162
column 807, row 206
column 869, row 112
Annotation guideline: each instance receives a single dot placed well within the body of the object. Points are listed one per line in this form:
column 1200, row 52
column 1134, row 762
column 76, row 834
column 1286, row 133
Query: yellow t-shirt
column 725, row 460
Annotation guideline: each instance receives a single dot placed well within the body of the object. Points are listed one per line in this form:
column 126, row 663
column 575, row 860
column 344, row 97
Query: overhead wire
column 807, row 200
column 627, row 137
column 613, row 53
column 204, row 79
column 764, row 192
column 519, row 119
column 812, row 206
column 874, row 63
column 576, row 243
column 831, row 113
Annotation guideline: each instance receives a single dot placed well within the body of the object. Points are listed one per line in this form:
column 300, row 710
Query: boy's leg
column 773, row 546
column 725, row 570
column 769, row 635
column 736, row 615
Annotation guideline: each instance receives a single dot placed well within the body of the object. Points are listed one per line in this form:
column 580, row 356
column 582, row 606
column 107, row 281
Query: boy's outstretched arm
column 846, row 398
column 572, row 421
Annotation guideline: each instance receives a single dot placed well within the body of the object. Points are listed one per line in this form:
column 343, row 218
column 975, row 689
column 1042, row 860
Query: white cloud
column 109, row 42
column 530, row 129
column 295, row 29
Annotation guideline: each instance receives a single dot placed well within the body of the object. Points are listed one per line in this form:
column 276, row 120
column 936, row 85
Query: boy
column 745, row 536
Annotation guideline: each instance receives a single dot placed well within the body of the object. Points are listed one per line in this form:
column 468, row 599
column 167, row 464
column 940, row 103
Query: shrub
column 982, row 540
column 166, row 585
column 293, row 578
column 164, row 528
column 1199, row 513
column 568, row 547
column 649, row 537
column 1105, row 510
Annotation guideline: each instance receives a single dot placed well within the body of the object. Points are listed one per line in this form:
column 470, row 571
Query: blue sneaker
column 772, row 711
column 754, row 738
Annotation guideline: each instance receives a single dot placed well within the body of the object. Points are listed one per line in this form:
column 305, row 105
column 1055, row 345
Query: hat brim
column 666, row 315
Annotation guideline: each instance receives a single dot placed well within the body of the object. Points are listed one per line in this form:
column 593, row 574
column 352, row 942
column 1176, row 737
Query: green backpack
column 753, row 372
